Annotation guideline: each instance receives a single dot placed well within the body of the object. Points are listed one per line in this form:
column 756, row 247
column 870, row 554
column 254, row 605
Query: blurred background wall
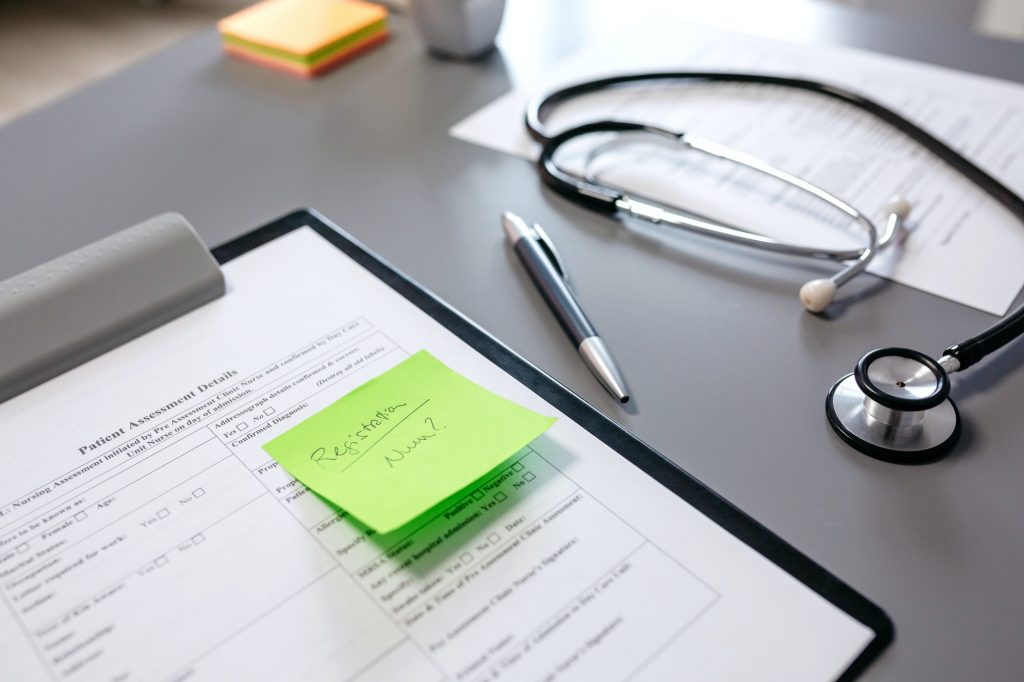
column 50, row 47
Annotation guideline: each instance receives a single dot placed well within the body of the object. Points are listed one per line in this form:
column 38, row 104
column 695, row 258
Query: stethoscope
column 895, row 405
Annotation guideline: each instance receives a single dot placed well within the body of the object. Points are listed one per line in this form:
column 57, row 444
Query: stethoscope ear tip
column 898, row 206
column 817, row 294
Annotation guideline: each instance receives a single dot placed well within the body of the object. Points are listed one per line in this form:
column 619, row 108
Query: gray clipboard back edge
column 65, row 312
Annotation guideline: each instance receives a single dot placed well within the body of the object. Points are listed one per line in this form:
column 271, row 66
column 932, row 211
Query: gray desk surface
column 729, row 374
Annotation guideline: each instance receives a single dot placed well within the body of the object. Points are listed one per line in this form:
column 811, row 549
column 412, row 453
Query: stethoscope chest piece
column 895, row 407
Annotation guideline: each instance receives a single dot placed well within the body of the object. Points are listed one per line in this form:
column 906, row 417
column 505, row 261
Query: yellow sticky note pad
column 302, row 27
column 404, row 441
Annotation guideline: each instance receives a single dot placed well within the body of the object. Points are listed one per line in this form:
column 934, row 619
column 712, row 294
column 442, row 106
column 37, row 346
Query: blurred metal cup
column 463, row 29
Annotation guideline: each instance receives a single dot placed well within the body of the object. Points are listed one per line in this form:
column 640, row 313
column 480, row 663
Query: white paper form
column 964, row 246
column 145, row 535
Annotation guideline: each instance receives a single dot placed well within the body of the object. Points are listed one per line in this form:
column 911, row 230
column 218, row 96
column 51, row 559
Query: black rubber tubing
column 967, row 352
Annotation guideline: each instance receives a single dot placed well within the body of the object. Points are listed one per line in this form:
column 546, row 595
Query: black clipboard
column 648, row 460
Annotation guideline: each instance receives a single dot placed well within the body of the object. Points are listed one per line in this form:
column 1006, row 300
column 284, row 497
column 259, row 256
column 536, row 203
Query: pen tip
column 515, row 228
column 624, row 399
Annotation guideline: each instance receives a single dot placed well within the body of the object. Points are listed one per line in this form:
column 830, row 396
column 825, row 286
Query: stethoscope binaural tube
column 871, row 415
column 815, row 295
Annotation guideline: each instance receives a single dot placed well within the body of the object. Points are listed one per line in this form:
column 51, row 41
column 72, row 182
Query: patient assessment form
column 146, row 535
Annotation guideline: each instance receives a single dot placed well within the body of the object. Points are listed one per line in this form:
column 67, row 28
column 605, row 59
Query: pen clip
column 552, row 253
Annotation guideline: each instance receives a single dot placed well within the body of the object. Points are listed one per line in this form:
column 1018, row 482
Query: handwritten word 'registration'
column 353, row 443
column 376, row 429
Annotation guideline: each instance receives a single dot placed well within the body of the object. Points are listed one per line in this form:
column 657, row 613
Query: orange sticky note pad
column 305, row 37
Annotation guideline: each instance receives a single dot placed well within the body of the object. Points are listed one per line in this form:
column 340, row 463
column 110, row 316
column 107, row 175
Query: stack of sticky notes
column 304, row 37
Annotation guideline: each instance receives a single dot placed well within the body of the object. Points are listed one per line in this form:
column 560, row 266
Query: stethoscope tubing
column 606, row 200
column 539, row 107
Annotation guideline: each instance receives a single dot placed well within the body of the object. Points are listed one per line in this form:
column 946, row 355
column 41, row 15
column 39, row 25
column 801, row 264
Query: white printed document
column 962, row 244
column 146, row 535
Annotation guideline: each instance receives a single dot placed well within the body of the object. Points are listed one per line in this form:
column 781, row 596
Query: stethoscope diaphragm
column 895, row 407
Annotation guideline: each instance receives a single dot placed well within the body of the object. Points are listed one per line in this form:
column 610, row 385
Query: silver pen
column 544, row 266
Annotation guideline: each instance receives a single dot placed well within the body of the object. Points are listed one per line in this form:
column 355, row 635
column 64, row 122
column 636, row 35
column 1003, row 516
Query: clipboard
column 648, row 460
column 160, row 270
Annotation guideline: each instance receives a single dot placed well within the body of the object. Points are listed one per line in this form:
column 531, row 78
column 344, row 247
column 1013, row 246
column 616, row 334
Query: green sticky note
column 404, row 441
